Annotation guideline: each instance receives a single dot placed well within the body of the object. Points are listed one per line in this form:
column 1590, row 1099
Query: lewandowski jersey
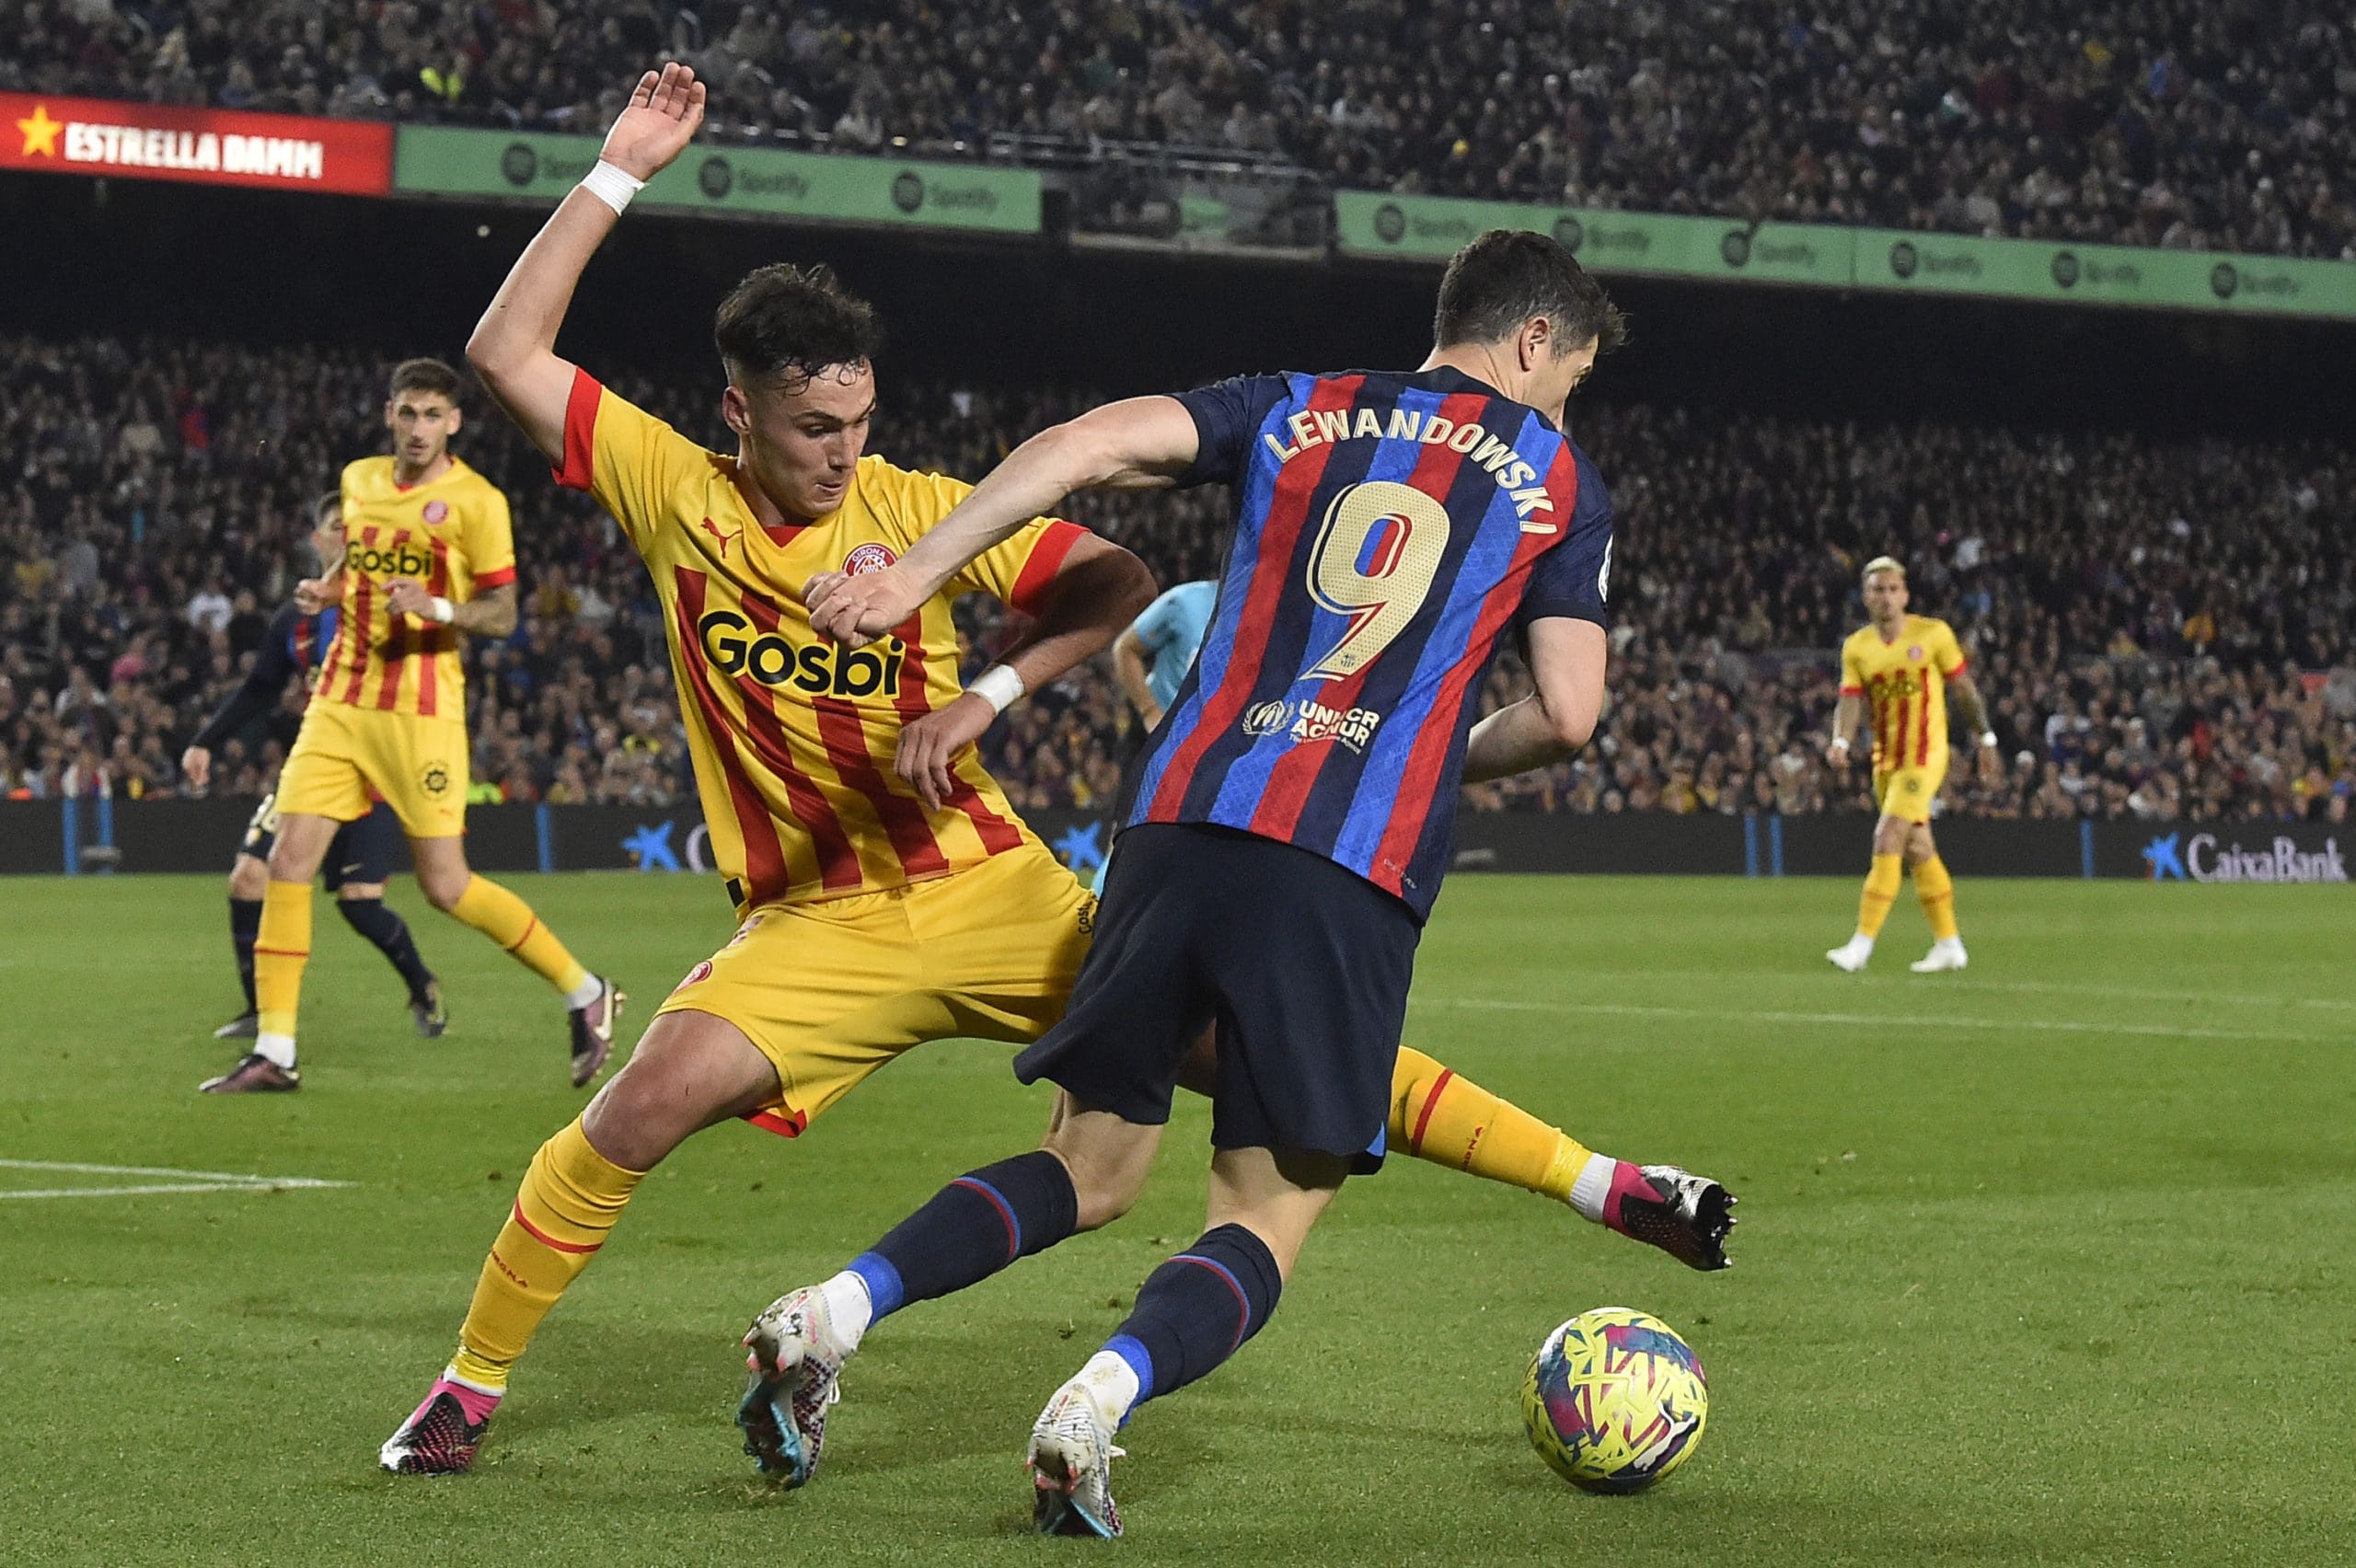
column 451, row 534
column 1391, row 527
column 793, row 735
column 1907, row 682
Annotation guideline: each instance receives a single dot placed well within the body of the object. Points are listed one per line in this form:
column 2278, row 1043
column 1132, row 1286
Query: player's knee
column 1106, row 1185
column 443, row 889
column 288, row 863
column 638, row 1117
column 247, row 879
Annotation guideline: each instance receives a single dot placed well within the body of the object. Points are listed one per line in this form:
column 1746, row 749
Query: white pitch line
column 190, row 1181
column 1879, row 1021
column 80, row 1169
column 2030, row 987
column 150, row 1191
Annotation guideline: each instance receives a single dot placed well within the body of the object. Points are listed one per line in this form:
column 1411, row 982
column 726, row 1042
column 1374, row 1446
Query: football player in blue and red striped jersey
column 1285, row 833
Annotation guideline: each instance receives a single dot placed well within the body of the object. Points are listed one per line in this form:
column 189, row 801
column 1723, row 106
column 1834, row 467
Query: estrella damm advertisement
column 439, row 160
column 43, row 134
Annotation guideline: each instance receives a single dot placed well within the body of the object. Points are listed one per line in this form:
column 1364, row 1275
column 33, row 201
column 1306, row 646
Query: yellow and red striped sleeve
column 1852, row 669
column 1947, row 654
column 489, row 540
column 1017, row 570
column 630, row 461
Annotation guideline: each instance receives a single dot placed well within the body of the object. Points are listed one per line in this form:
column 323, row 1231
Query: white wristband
column 440, row 610
column 1987, row 737
column 612, row 186
column 1840, row 743
column 998, row 687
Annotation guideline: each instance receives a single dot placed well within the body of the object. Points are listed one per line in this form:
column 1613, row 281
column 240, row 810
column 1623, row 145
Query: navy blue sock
column 244, row 924
column 1197, row 1309
column 972, row 1228
column 390, row 933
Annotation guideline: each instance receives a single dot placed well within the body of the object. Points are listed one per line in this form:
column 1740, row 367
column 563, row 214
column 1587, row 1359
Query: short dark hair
column 1507, row 276
column 425, row 375
column 783, row 324
column 319, row 507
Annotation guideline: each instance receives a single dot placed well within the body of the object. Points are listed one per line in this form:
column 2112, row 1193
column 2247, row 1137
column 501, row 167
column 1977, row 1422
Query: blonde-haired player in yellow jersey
column 1905, row 668
column 428, row 553
column 886, row 893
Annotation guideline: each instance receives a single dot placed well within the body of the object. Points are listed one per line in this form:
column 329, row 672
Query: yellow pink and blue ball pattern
column 1615, row 1400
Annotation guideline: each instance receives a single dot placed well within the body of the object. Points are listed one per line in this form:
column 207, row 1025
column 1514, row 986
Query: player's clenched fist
column 855, row 611
column 930, row 745
column 660, row 120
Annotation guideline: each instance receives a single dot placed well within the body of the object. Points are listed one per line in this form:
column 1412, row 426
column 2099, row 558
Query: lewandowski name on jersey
column 1392, row 529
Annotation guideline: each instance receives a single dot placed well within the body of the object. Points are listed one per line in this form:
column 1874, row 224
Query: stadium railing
column 86, row 836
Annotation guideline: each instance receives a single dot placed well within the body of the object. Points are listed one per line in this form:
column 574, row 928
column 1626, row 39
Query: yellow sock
column 281, row 947
column 509, row 921
column 570, row 1199
column 1451, row 1120
column 1937, row 890
column 1881, row 892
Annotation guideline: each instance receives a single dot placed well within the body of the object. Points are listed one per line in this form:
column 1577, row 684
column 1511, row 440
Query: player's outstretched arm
column 1972, row 709
column 1130, row 669
column 1098, row 588
column 1138, row 444
column 1566, row 664
column 491, row 613
column 513, row 346
column 1845, row 714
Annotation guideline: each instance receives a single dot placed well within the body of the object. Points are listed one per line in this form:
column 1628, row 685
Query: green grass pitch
column 2045, row 1263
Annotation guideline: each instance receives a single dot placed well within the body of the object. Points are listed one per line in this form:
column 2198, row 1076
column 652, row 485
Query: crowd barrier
column 98, row 836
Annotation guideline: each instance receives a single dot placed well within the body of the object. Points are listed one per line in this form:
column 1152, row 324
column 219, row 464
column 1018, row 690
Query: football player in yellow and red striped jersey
column 886, row 894
column 428, row 553
column 1905, row 667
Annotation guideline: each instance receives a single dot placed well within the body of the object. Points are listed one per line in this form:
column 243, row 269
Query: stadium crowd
column 2162, row 627
column 2207, row 124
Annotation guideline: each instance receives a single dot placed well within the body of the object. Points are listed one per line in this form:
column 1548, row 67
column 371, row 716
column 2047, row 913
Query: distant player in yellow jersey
column 1905, row 667
column 886, row 893
column 428, row 553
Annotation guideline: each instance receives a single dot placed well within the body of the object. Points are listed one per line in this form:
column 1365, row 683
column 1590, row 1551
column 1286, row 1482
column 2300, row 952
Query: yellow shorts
column 418, row 765
column 1907, row 793
column 831, row 991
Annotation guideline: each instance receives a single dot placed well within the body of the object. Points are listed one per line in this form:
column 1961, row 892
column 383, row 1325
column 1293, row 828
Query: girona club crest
column 1915, row 653
column 868, row 558
column 435, row 510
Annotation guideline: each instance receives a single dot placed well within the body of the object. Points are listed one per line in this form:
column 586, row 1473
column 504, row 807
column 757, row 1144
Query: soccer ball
column 1615, row 1401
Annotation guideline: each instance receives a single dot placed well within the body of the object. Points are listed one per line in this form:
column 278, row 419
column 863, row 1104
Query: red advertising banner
column 202, row 146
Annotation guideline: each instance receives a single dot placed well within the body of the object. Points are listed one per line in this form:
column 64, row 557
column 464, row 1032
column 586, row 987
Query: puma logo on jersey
column 725, row 539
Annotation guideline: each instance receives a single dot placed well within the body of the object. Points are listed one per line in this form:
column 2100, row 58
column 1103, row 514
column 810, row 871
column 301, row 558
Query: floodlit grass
column 2047, row 1261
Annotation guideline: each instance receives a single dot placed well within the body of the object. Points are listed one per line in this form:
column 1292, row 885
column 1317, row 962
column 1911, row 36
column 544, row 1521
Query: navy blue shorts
column 1302, row 968
column 363, row 851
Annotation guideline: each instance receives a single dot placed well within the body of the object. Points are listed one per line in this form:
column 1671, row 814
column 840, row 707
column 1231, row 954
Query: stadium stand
column 2201, row 124
column 2162, row 623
